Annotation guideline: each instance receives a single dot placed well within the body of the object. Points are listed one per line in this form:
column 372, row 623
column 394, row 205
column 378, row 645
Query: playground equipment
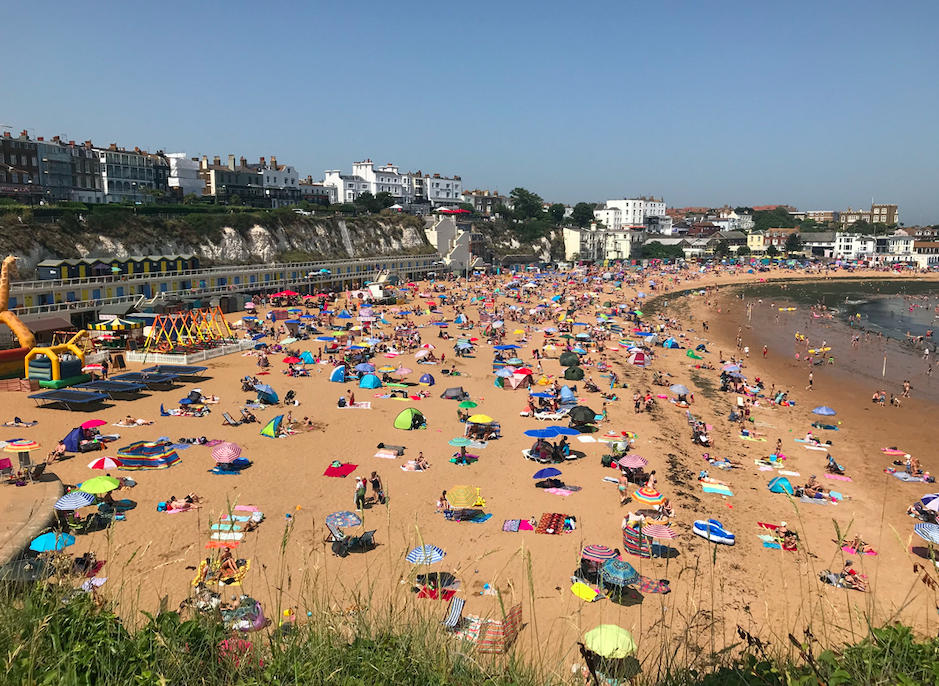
column 190, row 331
column 57, row 366
column 11, row 361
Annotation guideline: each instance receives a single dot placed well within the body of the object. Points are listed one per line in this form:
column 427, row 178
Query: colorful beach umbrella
column 619, row 573
column 461, row 497
column 632, row 461
column 51, row 541
column 648, row 496
column 105, row 463
column 344, row 519
column 93, row 423
column 459, row 442
column 292, row 360
column 74, row 501
column 100, row 484
column 598, row 553
column 659, row 531
column 226, row 453
column 931, row 501
column 21, row 445
column 425, row 555
column 929, row 532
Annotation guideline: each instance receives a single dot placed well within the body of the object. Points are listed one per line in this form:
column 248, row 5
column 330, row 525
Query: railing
column 46, row 284
column 85, row 305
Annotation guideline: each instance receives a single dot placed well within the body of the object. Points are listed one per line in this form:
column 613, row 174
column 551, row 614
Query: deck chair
column 229, row 421
column 334, row 535
column 454, row 614
column 834, row 467
column 36, row 472
column 7, row 475
column 245, row 415
column 347, row 544
column 25, row 463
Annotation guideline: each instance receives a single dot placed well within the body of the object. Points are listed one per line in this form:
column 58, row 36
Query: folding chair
column 454, row 614
column 36, row 472
column 228, row 420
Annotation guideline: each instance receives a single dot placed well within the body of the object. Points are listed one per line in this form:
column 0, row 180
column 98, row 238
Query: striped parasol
column 662, row 531
column 105, row 463
column 648, row 496
column 632, row 461
column 461, row 496
column 930, row 532
column 21, row 446
column 425, row 555
column 74, row 500
column 598, row 553
column 225, row 453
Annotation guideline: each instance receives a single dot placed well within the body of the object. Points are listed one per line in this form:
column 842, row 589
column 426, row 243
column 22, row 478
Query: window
column 3, row 177
column 3, row 158
column 14, row 177
column 35, row 164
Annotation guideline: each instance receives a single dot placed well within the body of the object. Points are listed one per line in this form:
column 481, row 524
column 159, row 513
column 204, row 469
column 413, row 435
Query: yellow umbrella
column 519, row 331
column 609, row 640
column 479, row 419
column 461, row 496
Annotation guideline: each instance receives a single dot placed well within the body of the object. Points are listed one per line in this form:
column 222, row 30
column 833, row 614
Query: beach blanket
column 478, row 445
column 766, row 537
column 751, row 438
column 341, row 471
column 647, row 585
column 213, row 575
column 772, row 544
column 837, row 477
column 712, row 488
column 221, row 472
column 827, row 427
column 481, row 517
column 835, row 495
column 893, row 451
column 226, row 536
column 551, row 523
column 387, row 454
column 909, row 478
column 783, row 472
column 191, row 509
column 586, row 439
column 525, row 525
column 823, row 448
column 225, row 527
column 246, row 508
column 816, row 501
column 558, row 491
column 470, row 459
column 851, row 551
column 221, row 544
column 235, row 518
column 358, row 406
column 511, row 525
column 435, row 594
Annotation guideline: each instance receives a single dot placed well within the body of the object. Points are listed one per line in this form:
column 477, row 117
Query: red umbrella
column 632, row 461
column 598, row 553
column 659, row 531
column 524, row 370
column 224, row 453
column 105, row 463
column 93, row 423
column 292, row 360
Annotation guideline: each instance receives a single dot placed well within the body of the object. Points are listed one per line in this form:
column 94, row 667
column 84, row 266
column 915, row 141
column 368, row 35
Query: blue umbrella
column 343, row 519
column 546, row 473
column 505, row 372
column 640, row 294
column 326, row 338
column 463, row 346
column 516, row 362
column 74, row 500
column 824, row 410
column 307, row 316
column 358, row 347
column 264, row 388
column 564, row 431
column 541, row 395
column 619, row 573
column 365, row 367
column 930, row 532
column 51, row 541
column 580, row 351
column 505, row 347
column 541, row 433
column 425, row 555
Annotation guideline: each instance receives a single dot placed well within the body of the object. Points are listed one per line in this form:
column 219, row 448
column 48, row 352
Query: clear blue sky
column 821, row 105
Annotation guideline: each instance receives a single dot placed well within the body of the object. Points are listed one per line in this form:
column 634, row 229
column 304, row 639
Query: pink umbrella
column 598, row 553
column 659, row 531
column 225, row 453
column 105, row 463
column 632, row 461
column 402, row 371
column 93, row 423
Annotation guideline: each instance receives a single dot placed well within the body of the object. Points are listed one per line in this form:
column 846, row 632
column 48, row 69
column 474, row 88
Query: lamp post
column 134, row 186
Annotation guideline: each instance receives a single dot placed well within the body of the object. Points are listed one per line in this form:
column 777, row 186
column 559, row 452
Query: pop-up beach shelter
column 266, row 394
column 409, row 418
column 567, row 395
column 144, row 455
column 456, row 393
column 73, row 440
column 338, row 374
column 574, row 374
column 426, row 380
column 271, row 429
column 780, row 485
column 370, row 381
column 568, row 359
column 307, row 357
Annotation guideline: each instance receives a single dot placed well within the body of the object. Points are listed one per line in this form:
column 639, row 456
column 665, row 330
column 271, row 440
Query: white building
column 184, row 174
column 409, row 188
column 853, row 246
column 124, row 173
column 442, row 190
column 634, row 211
column 737, row 221
column 610, row 217
column 280, row 182
column 458, row 246
column 598, row 244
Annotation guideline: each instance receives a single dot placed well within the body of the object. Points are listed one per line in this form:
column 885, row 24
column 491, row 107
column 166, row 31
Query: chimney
column 205, row 162
column 88, row 145
column 6, row 134
column 113, row 147
column 244, row 162
column 24, row 134
column 231, row 162
column 273, row 162
column 71, row 142
column 40, row 139
column 217, row 161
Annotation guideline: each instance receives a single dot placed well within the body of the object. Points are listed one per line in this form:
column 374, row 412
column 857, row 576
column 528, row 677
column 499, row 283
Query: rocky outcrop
column 297, row 238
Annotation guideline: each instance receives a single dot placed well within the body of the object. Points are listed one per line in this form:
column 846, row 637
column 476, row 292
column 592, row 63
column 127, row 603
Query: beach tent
column 780, row 485
column 266, row 394
column 692, row 355
column 517, row 381
column 73, row 440
column 568, row 359
column 574, row 374
column 491, row 635
column 307, row 357
column 640, row 359
column 426, row 380
column 338, row 374
column 144, row 455
column 370, row 381
column 456, row 393
column 409, row 418
column 567, row 395
column 271, row 429
column 670, row 343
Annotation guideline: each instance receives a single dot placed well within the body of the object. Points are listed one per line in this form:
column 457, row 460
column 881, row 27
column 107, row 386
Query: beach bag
column 342, row 402
column 607, row 461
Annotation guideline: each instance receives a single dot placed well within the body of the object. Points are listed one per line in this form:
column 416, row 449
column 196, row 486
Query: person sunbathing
column 56, row 454
column 227, row 566
column 860, row 546
column 130, row 421
column 851, row 578
column 421, row 463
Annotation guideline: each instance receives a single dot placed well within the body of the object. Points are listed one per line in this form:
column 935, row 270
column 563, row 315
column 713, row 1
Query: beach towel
column 766, row 537
column 837, row 477
column 478, row 445
column 909, row 478
column 764, row 525
column 225, row 527
column 772, row 544
column 551, row 523
column 481, row 517
column 341, row 471
column 823, row 448
column 711, row 488
column 647, row 585
column 751, row 438
column 221, row 472
column 786, row 473
column 816, row 501
column 470, row 459
column 221, row 544
column 525, row 525
column 511, row 525
column 892, row 451
column 558, row 491
column 835, row 495
column 226, row 536
column 435, row 594
column 358, row 406
column 586, row 439
column 180, row 446
column 235, row 518
column 245, row 508
column 387, row 454
column 851, row 551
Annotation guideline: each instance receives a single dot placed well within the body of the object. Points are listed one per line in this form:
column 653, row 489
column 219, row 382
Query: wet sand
column 768, row 592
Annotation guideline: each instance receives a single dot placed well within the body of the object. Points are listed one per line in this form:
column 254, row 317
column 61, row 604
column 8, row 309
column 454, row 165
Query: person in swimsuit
column 623, row 486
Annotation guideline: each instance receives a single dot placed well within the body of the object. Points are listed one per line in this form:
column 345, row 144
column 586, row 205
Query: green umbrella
column 459, row 442
column 99, row 484
column 466, row 404
column 611, row 641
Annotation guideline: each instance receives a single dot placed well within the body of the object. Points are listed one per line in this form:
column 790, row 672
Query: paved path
column 25, row 511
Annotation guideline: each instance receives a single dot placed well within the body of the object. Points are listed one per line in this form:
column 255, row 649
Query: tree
column 810, row 225
column 771, row 251
column 235, row 200
column 557, row 211
column 793, row 242
column 383, row 200
column 528, row 205
column 654, row 250
column 743, row 251
column 190, row 199
column 722, row 249
column 467, row 206
column 582, row 214
column 779, row 218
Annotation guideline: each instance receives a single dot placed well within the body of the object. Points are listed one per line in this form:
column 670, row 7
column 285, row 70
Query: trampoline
column 177, row 369
column 69, row 399
column 115, row 390
column 154, row 382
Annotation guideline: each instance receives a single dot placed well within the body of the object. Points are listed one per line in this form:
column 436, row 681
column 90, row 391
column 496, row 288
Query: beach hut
column 272, row 427
column 144, row 455
column 409, row 418
column 338, row 374
column 426, row 380
column 370, row 381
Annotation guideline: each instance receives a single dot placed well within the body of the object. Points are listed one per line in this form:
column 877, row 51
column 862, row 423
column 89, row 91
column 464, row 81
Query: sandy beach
column 769, row 592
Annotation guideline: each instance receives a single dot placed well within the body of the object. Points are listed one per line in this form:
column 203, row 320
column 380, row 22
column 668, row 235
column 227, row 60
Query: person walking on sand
column 378, row 492
column 765, row 350
column 623, row 486
column 811, row 381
